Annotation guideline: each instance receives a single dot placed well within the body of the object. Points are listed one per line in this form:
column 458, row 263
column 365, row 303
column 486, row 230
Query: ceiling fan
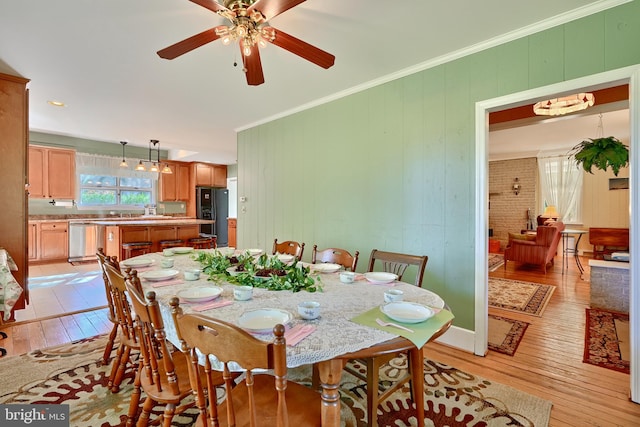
column 249, row 26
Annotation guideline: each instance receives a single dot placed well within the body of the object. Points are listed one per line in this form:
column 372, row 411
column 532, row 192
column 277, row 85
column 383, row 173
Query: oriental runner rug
column 505, row 334
column 607, row 338
column 522, row 297
column 495, row 261
column 73, row 374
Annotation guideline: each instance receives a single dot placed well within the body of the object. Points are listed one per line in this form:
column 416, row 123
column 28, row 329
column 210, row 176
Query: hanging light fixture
column 564, row 105
column 156, row 165
column 123, row 164
column 154, row 161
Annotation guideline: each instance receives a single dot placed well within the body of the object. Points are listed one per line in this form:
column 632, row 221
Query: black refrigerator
column 213, row 203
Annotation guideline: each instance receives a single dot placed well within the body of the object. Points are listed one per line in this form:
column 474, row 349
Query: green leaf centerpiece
column 267, row 272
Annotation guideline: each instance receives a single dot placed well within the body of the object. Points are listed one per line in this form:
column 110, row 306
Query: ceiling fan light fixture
column 564, row 105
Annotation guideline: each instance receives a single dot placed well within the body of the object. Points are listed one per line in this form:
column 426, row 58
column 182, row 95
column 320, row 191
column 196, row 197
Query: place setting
column 412, row 320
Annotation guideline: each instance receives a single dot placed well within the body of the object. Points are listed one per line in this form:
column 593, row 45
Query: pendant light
column 124, row 160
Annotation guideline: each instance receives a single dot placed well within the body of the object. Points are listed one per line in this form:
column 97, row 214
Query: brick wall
column 610, row 288
column 508, row 211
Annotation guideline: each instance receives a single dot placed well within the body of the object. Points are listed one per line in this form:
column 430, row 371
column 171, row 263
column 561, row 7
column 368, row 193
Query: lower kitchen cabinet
column 232, row 227
column 32, row 241
column 48, row 241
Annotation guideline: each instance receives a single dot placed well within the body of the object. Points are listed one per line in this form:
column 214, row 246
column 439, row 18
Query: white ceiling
column 99, row 58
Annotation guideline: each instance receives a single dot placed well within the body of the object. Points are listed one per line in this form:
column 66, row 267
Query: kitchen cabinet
column 52, row 173
column 32, row 241
column 53, row 241
column 210, row 175
column 232, row 226
column 116, row 235
column 14, row 143
column 174, row 187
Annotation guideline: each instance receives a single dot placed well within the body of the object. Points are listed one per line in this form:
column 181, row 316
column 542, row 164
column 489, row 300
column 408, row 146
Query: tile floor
column 60, row 288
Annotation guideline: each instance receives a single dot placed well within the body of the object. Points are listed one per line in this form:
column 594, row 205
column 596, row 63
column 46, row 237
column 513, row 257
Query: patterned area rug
column 505, row 334
column 522, row 297
column 607, row 339
column 495, row 261
column 72, row 374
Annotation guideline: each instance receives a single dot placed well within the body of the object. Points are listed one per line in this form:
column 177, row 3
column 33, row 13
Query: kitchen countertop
column 136, row 220
column 149, row 221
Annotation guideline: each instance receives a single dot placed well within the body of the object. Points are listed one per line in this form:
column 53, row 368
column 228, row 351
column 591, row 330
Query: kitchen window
column 103, row 183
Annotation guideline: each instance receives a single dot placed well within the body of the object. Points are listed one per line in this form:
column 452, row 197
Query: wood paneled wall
column 393, row 167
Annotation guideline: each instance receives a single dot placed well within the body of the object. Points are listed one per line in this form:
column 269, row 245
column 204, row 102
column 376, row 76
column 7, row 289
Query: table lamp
column 551, row 213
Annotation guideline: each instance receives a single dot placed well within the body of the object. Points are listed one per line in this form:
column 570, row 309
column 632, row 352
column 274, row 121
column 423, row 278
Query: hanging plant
column 601, row 153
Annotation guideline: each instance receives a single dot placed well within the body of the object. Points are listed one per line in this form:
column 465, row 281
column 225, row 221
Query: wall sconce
column 516, row 186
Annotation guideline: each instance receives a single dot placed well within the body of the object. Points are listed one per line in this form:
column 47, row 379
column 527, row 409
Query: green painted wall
column 393, row 167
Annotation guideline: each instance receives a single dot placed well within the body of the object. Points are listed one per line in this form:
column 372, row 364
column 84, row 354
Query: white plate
column 407, row 312
column 326, row 267
column 254, row 252
column 263, row 320
column 285, row 258
column 182, row 250
column 380, row 277
column 139, row 262
column 199, row 294
column 158, row 275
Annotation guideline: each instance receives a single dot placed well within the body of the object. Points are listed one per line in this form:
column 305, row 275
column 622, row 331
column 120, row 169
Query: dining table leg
column 330, row 372
column 416, row 359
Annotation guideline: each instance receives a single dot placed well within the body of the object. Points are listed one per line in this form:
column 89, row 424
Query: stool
column 166, row 244
column 132, row 249
column 203, row 242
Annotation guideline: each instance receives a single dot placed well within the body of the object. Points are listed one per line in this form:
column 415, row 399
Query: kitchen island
column 112, row 233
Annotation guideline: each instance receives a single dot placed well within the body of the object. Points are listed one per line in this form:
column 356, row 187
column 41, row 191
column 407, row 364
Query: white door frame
column 627, row 75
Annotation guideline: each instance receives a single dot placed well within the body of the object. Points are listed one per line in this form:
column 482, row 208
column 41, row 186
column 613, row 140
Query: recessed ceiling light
column 56, row 103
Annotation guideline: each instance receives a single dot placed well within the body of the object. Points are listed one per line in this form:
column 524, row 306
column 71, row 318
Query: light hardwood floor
column 548, row 362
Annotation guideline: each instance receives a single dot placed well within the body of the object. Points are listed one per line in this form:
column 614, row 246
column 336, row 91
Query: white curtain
column 96, row 164
column 561, row 186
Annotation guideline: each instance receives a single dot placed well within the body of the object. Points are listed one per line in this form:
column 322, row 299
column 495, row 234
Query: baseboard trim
column 462, row 339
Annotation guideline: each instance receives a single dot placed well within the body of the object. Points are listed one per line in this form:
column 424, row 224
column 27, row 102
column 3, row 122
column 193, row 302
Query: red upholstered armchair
column 540, row 251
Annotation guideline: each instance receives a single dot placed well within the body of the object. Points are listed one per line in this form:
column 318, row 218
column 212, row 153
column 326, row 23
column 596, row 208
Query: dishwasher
column 83, row 241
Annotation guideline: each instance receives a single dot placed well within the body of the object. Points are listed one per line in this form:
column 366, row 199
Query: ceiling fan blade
column 303, row 49
column 187, row 45
column 210, row 4
column 252, row 65
column 272, row 8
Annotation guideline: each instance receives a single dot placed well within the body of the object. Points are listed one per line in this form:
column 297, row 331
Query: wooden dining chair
column 396, row 263
column 162, row 373
column 111, row 313
column 335, row 256
column 289, row 247
column 127, row 339
column 261, row 399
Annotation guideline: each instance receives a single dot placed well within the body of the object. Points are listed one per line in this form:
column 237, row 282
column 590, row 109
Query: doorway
column 629, row 75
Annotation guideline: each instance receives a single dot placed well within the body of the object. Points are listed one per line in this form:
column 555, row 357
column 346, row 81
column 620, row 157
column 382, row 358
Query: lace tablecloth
column 10, row 289
column 335, row 333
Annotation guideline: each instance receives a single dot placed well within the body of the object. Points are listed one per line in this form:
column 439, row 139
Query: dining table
column 346, row 328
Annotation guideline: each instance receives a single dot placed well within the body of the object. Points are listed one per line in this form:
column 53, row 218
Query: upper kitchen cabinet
column 208, row 175
column 174, row 186
column 52, row 172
